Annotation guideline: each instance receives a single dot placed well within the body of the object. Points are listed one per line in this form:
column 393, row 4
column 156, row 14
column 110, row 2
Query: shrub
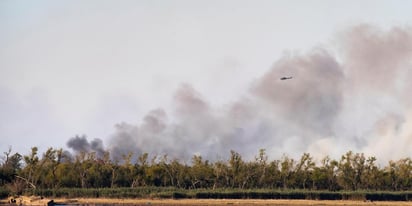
column 4, row 192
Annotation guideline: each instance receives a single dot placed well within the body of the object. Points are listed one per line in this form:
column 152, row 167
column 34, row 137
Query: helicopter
column 285, row 78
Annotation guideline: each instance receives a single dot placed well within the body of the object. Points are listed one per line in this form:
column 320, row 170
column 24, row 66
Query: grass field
column 258, row 194
column 218, row 202
column 173, row 196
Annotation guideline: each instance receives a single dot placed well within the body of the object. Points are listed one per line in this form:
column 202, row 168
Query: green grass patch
column 175, row 193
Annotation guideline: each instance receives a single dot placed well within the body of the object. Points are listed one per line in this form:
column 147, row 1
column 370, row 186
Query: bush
column 179, row 195
column 389, row 196
column 4, row 192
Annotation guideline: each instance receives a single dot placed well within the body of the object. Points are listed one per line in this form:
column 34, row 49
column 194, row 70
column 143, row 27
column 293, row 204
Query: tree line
column 56, row 169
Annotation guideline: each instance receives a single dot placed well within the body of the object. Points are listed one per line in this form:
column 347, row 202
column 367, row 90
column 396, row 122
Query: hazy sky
column 80, row 67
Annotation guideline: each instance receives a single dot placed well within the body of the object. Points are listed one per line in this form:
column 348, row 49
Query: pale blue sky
column 79, row 67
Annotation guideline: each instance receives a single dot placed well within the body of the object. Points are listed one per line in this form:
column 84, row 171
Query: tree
column 286, row 172
column 236, row 165
column 372, row 176
column 262, row 169
column 31, row 172
column 304, row 169
column 352, row 168
column 83, row 167
column 201, row 173
column 222, row 175
column 142, row 168
column 10, row 166
column 347, row 172
column 325, row 176
column 50, row 162
column 125, row 172
column 273, row 177
column 398, row 174
column 56, row 168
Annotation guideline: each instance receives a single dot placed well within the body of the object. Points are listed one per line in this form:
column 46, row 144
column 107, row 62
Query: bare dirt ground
column 199, row 202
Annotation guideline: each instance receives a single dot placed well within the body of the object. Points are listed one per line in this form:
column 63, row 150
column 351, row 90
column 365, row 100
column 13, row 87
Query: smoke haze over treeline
column 354, row 96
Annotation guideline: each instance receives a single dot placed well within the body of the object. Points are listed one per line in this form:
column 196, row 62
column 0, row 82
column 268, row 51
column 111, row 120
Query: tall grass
column 175, row 193
column 139, row 192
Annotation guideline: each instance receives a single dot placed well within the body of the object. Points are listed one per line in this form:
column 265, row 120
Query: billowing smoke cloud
column 357, row 98
column 312, row 100
column 377, row 60
column 81, row 144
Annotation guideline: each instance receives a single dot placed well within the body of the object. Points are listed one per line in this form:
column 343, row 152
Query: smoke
column 356, row 98
column 376, row 60
column 312, row 100
column 80, row 144
column 377, row 65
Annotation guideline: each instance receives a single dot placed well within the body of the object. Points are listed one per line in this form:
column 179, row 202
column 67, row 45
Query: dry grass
column 200, row 202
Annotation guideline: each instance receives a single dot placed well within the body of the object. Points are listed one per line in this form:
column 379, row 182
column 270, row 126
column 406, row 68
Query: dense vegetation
column 57, row 174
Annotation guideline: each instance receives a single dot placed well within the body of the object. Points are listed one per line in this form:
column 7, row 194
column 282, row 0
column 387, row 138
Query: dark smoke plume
column 80, row 144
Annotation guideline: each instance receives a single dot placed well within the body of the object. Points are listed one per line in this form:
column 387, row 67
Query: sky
column 203, row 77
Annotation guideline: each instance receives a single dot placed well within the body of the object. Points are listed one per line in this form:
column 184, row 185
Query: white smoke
column 361, row 102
